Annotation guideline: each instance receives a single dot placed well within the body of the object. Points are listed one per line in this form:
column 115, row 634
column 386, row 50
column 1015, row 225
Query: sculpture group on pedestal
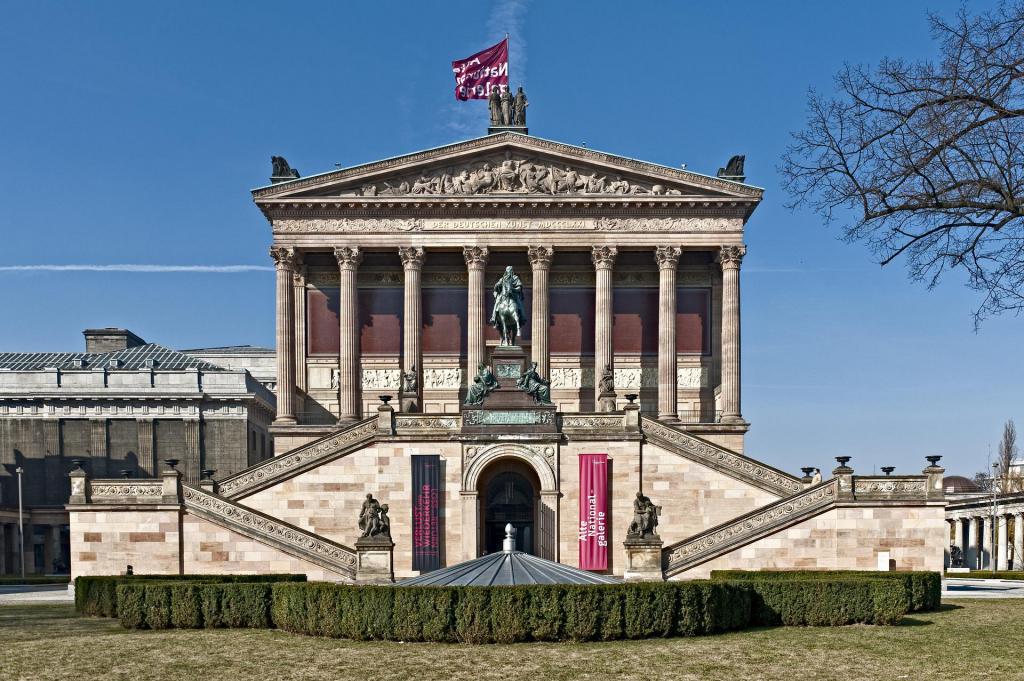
column 483, row 384
column 533, row 385
column 373, row 519
column 645, row 518
column 506, row 109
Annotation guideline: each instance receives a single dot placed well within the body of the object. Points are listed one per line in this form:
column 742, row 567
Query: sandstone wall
column 845, row 538
column 211, row 549
column 693, row 497
column 327, row 500
column 105, row 542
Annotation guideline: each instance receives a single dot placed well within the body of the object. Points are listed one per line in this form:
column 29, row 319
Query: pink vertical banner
column 593, row 511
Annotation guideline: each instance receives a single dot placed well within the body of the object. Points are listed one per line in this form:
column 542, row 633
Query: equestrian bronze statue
column 508, row 316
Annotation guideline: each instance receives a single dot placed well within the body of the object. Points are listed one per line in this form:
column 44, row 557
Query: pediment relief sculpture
column 508, row 175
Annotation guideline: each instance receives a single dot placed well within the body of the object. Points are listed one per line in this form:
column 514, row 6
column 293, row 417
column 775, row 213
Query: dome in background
column 958, row 484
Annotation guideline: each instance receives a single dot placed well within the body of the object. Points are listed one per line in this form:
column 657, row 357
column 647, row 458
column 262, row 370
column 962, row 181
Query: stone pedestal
column 375, row 560
column 507, row 408
column 606, row 402
column 643, row 559
column 495, row 129
column 409, row 403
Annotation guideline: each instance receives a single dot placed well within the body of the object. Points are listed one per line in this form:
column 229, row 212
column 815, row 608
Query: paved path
column 982, row 588
column 35, row 594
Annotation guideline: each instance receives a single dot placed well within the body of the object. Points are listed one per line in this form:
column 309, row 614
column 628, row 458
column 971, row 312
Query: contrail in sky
column 464, row 118
column 219, row 269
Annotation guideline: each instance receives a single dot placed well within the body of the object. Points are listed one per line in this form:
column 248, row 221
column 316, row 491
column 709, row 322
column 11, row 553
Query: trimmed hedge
column 510, row 614
column 826, row 602
column 986, row 574
column 923, row 589
column 193, row 605
column 97, row 596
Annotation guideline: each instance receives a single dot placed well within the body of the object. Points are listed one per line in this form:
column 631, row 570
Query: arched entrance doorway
column 509, row 493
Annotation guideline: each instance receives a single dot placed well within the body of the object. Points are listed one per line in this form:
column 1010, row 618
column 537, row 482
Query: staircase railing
column 749, row 527
column 721, row 459
column 271, row 531
column 273, row 470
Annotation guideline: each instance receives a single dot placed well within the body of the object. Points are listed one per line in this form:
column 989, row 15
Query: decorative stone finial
column 171, row 463
column 509, row 544
column 888, row 469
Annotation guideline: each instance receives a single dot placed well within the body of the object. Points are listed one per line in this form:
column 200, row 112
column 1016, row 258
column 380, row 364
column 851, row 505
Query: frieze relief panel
column 507, row 175
column 635, row 377
column 449, row 378
column 691, row 378
column 381, row 379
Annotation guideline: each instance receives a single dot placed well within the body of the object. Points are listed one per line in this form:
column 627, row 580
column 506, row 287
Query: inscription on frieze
column 496, row 417
column 540, row 224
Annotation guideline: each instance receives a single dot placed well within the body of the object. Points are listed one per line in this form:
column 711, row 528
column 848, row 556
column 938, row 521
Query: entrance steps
column 271, row 531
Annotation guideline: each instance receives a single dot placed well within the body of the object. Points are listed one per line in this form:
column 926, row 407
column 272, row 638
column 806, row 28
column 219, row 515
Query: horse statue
column 508, row 316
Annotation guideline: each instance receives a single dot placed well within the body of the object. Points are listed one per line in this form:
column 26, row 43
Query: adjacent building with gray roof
column 123, row 406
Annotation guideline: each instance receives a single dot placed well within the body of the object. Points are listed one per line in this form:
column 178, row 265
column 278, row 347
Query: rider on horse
column 508, row 307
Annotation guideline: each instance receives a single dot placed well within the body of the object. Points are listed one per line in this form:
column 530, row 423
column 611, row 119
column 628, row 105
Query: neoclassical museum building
column 619, row 391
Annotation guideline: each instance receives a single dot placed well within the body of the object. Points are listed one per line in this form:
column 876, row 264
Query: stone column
column 470, row 524
column 730, row 258
column 958, row 537
column 476, row 352
column 55, row 548
column 540, row 263
column 604, row 260
column 299, row 306
column 193, row 451
column 1003, row 545
column 667, row 258
column 412, row 315
column 3, row 549
column 971, row 553
column 349, row 375
column 147, row 452
column 98, row 447
column 1018, row 541
column 987, row 552
column 284, row 263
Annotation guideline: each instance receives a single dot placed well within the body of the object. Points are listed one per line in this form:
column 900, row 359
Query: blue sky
column 132, row 132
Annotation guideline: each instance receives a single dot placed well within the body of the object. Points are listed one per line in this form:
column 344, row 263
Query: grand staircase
column 720, row 459
column 748, row 528
column 271, row 531
column 275, row 469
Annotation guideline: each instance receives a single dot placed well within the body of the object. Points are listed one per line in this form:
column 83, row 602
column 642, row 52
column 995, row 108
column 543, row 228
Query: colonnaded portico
column 382, row 275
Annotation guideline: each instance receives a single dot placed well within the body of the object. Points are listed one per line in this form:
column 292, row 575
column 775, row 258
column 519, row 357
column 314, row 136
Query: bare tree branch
column 926, row 160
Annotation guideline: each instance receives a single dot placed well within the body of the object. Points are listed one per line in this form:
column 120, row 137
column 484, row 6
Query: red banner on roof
column 475, row 76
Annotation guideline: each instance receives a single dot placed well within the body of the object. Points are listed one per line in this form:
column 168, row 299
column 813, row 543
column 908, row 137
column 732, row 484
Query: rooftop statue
column 282, row 169
column 508, row 316
column 734, row 168
column 519, row 105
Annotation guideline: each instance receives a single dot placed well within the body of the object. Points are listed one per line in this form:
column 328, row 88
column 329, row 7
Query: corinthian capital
column 348, row 257
column 411, row 257
column 476, row 256
column 604, row 256
column 284, row 257
column 540, row 256
column 667, row 257
column 730, row 257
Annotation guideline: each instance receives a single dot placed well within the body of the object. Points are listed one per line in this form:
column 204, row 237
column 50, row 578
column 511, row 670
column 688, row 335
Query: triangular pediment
column 508, row 165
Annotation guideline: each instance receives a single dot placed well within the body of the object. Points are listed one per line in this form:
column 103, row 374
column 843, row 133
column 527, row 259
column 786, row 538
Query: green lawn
column 51, row 642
